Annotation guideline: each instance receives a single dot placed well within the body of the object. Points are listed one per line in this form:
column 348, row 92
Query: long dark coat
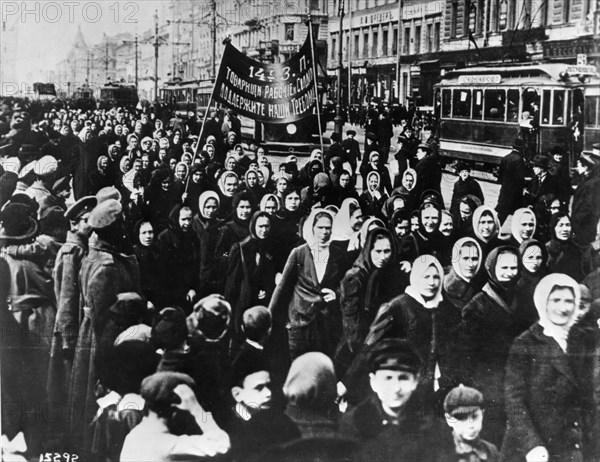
column 105, row 273
column 511, row 177
column 208, row 233
column 429, row 175
column 544, row 401
column 586, row 209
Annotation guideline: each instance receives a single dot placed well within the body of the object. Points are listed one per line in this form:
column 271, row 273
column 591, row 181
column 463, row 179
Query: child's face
column 467, row 429
column 393, row 388
column 256, row 392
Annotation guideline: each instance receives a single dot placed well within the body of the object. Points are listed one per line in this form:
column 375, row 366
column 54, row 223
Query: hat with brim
column 371, row 136
column 25, row 199
column 351, row 132
column 541, row 161
column 424, row 147
column 108, row 192
column 335, row 136
column 518, row 144
column 11, row 164
column 16, row 223
column 62, row 184
column 81, row 207
column 589, row 158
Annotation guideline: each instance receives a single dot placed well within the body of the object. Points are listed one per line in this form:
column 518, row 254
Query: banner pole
column 314, row 66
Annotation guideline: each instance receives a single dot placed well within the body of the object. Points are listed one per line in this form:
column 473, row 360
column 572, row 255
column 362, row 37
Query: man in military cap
column 389, row 424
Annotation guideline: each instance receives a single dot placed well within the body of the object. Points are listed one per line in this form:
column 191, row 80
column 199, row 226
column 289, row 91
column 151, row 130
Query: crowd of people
column 167, row 294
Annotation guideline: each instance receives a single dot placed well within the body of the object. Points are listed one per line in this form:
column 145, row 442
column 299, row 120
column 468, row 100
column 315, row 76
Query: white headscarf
column 419, row 267
column 540, row 298
column 477, row 216
column 462, row 242
column 205, row 196
column 341, row 230
column 516, row 222
column 307, row 228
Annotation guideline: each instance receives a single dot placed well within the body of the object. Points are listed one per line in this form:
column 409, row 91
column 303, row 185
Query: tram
column 83, row 98
column 484, row 109
column 118, row 94
column 177, row 92
column 591, row 118
column 44, row 91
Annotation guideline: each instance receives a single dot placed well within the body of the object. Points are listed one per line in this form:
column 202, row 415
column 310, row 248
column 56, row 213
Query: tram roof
column 555, row 72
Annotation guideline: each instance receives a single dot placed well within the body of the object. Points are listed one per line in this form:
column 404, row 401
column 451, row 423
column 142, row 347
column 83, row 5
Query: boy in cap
column 389, row 425
column 165, row 393
column 463, row 409
column 465, row 185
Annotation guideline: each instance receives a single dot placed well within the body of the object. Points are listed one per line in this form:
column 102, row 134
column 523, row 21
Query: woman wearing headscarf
column 347, row 224
column 87, row 152
column 180, row 178
column 345, row 188
column 421, row 316
column 312, row 167
column 251, row 270
column 234, row 230
column 459, row 287
column 160, row 198
column 533, row 258
column 207, row 226
column 547, row 408
column 146, row 253
column 228, row 186
column 463, row 220
column 522, row 226
column 252, row 184
column 197, row 185
column 373, row 198
column 486, row 228
column 335, row 170
column 427, row 239
column 309, row 290
column 490, row 324
column 564, row 254
column 407, row 189
column 374, row 279
column 101, row 177
column 375, row 165
column 321, row 193
column 270, row 203
column 285, row 233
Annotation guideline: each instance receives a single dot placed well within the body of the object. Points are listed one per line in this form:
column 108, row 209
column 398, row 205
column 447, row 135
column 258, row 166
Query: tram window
column 558, row 111
column 477, row 104
column 495, row 102
column 592, row 106
column 546, row 94
column 461, row 104
column 513, row 106
column 446, row 103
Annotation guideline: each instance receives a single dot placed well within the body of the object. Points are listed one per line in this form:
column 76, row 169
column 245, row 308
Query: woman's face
column 468, row 260
column 507, row 267
column 146, row 235
column 262, row 159
column 196, row 176
column 282, row 185
column 560, row 307
column 322, row 230
column 271, row 206
column 408, row 181
column 446, row 225
column 356, row 220
column 526, row 226
column 210, row 208
column 166, row 183
column 555, row 207
column 466, row 213
column 486, row 226
column 180, row 172
column 172, row 163
column 252, row 179
column 563, row 229
column 262, row 227
column 431, row 283
column 260, row 152
column 373, row 183
column 532, row 258
column 230, row 184
column 430, row 217
column 292, row 202
column 414, row 224
column 230, row 164
column 210, row 150
column 244, row 210
column 126, row 165
column 402, row 228
column 344, row 180
column 381, row 252
column 137, row 165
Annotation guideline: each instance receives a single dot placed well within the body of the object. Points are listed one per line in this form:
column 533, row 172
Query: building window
column 314, row 4
column 333, row 47
column 406, row 41
column 366, row 45
column 429, row 38
column 418, row 39
column 395, row 42
column 289, row 32
column 384, row 38
column 454, row 20
column 374, row 44
column 566, row 11
column 356, row 45
column 436, row 36
column 503, row 15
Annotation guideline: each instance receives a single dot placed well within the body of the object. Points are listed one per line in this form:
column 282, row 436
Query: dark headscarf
column 523, row 248
column 505, row 289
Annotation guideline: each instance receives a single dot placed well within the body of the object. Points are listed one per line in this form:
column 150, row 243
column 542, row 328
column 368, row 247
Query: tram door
column 529, row 121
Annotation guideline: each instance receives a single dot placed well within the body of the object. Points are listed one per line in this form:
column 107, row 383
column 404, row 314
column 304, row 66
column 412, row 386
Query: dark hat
column 540, row 160
column 129, row 307
column 371, row 136
column 105, row 214
column 350, row 132
column 62, row 184
column 25, row 199
column 108, row 192
column 460, row 166
column 158, row 389
column 211, row 316
column 52, row 219
column 82, row 206
column 17, row 223
column 335, row 136
column 394, row 354
column 557, row 149
column 170, row 328
column 518, row 144
column 428, row 127
column 28, row 151
column 463, row 400
column 246, row 363
column 425, row 147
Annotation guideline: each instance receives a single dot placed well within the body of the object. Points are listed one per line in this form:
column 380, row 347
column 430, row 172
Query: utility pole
column 399, row 50
column 214, row 39
column 338, row 119
column 135, row 42
column 106, row 59
column 156, row 45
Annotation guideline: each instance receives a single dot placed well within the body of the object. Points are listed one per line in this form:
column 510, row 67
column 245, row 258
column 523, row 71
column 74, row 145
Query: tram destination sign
column 274, row 93
column 581, row 70
column 479, row 79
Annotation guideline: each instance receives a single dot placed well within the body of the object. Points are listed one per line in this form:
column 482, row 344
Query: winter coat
column 585, row 212
column 429, row 176
column 208, row 232
column 569, row 258
column 148, row 259
column 462, row 189
column 544, row 401
column 105, row 273
column 511, row 177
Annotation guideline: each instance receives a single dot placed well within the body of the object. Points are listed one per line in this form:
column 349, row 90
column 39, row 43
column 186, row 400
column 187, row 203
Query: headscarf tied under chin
column 540, row 298
column 307, row 229
column 204, row 197
column 503, row 289
column 342, row 230
column 456, row 254
column 518, row 217
column 415, row 289
column 477, row 214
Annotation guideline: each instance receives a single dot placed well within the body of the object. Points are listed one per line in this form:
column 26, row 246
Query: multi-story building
column 387, row 47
